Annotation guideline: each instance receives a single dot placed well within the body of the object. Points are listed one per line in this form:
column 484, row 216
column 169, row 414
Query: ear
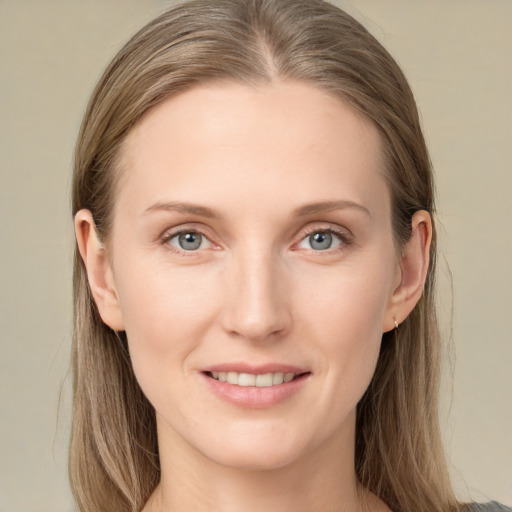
column 99, row 271
column 414, row 262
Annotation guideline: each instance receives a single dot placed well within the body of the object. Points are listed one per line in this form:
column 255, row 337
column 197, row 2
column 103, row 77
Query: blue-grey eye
column 189, row 241
column 320, row 241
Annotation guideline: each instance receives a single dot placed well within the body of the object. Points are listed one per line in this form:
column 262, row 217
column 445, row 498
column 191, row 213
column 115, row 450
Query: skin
column 257, row 290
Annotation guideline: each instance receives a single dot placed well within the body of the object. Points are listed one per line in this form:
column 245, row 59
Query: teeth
column 263, row 381
column 232, row 378
column 278, row 378
column 248, row 379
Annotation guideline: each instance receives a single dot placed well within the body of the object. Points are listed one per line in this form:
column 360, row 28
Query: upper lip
column 259, row 369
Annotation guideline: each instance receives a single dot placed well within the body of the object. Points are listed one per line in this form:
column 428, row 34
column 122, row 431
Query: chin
column 256, row 452
column 255, row 460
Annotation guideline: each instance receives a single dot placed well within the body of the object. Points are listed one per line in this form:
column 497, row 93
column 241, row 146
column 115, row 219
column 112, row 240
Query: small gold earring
column 396, row 325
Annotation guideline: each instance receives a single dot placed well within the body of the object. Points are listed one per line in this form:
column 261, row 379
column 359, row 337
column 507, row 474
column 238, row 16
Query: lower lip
column 252, row 397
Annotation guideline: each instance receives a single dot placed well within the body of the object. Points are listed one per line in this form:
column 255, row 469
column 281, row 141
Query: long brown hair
column 114, row 461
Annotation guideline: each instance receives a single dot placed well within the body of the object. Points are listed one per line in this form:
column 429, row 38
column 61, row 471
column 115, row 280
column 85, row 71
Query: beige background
column 457, row 55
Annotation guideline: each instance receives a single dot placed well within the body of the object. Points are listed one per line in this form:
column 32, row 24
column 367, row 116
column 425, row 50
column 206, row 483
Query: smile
column 261, row 389
column 258, row 380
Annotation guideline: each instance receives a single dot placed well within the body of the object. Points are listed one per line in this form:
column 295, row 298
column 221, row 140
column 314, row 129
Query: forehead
column 289, row 137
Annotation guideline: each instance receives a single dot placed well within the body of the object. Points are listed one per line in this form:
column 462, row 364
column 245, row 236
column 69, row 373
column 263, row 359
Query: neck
column 322, row 479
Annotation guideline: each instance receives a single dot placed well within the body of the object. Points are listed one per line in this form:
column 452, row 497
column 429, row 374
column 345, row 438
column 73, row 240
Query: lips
column 255, row 387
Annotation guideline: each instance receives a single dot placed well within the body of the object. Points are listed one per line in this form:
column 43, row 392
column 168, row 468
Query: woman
column 254, row 303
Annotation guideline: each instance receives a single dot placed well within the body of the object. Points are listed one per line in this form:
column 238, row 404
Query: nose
column 256, row 307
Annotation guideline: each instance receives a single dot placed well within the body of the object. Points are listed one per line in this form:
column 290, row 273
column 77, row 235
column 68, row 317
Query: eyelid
column 344, row 235
column 171, row 233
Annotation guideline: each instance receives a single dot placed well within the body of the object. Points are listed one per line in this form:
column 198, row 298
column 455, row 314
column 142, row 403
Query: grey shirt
column 492, row 506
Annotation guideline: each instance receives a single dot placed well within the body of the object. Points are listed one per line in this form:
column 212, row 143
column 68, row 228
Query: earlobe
column 414, row 263
column 99, row 271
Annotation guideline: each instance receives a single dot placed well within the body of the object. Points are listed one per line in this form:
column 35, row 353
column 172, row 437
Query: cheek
column 345, row 314
column 348, row 302
column 158, row 299
column 166, row 314
column 350, row 334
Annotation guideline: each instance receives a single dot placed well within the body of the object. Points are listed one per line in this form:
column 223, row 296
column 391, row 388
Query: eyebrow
column 181, row 207
column 301, row 211
column 324, row 206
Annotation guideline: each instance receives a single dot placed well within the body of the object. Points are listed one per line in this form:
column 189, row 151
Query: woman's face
column 252, row 242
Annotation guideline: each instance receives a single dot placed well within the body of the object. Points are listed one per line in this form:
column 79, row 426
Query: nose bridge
column 256, row 306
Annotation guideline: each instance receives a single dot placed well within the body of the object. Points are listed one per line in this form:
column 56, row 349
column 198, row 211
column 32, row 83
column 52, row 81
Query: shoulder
column 492, row 506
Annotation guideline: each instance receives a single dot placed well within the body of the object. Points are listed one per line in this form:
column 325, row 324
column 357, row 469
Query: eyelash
column 344, row 238
column 169, row 235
